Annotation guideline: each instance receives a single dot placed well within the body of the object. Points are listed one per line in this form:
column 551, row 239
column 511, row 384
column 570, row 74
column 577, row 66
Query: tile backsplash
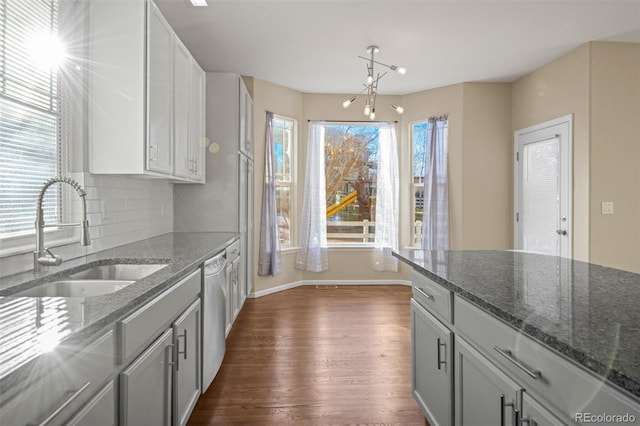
column 120, row 210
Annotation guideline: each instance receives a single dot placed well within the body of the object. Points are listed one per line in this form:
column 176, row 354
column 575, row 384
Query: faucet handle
column 50, row 259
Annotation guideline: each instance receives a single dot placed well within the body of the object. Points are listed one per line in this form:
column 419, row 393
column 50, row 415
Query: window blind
column 31, row 140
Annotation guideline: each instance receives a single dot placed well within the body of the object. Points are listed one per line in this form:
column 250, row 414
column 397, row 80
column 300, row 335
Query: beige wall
column 418, row 107
column 555, row 90
column 486, row 166
column 615, row 154
column 287, row 102
column 589, row 82
column 599, row 84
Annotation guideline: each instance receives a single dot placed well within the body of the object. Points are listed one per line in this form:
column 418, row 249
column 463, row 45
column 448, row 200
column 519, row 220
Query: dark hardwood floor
column 317, row 356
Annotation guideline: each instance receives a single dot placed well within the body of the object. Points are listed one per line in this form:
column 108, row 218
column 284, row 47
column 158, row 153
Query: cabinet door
column 248, row 132
column 431, row 343
column 235, row 290
column 228, row 292
column 534, row 414
column 248, row 280
column 181, row 93
column 159, row 92
column 197, row 134
column 186, row 382
column 484, row 394
column 99, row 411
column 145, row 386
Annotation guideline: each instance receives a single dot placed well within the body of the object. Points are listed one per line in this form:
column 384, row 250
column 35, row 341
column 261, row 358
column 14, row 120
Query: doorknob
column 562, row 232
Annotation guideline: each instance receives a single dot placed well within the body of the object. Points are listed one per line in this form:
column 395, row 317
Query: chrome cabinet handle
column 503, row 405
column 534, row 374
column 65, row 404
column 184, row 352
column 151, row 146
column 561, row 232
column 440, row 362
column 427, row 295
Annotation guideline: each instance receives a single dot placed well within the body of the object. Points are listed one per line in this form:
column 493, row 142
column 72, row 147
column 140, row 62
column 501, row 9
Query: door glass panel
column 540, row 196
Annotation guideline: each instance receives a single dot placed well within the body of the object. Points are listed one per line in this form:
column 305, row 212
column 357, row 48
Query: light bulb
column 372, row 116
column 398, row 108
column 367, row 109
column 369, row 80
column 348, row 102
column 402, row 70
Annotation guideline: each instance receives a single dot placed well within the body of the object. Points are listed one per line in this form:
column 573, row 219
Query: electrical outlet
column 607, row 207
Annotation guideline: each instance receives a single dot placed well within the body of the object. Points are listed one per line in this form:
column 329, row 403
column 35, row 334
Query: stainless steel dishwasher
column 213, row 318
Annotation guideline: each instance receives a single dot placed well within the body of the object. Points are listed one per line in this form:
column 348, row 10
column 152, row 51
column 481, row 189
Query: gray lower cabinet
column 145, row 386
column 485, row 395
column 187, row 336
column 431, row 345
column 535, row 414
column 100, row 411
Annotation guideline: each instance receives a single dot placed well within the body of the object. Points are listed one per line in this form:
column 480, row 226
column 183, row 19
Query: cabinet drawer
column 554, row 379
column 434, row 297
column 144, row 325
column 73, row 377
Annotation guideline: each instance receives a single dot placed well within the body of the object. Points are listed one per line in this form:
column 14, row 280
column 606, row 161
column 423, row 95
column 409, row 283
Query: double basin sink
column 94, row 281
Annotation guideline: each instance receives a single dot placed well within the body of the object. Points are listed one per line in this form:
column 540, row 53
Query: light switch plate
column 607, row 207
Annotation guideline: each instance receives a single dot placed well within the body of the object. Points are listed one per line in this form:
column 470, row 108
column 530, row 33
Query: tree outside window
column 420, row 163
column 351, row 165
column 284, row 141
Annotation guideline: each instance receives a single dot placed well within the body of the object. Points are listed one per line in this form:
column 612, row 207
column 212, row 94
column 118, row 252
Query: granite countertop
column 587, row 312
column 30, row 326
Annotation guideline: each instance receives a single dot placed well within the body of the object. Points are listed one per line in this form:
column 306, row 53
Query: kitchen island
column 532, row 315
column 39, row 333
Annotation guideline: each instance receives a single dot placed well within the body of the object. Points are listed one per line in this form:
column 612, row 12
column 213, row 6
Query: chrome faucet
column 43, row 256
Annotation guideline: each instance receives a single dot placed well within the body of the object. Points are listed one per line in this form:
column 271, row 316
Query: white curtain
column 435, row 223
column 386, row 235
column 269, row 251
column 314, row 255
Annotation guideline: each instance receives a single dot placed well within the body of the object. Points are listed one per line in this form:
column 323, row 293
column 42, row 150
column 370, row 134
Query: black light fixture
column 371, row 84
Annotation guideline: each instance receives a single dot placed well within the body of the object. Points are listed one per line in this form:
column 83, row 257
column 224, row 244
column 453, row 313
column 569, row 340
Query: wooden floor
column 317, row 356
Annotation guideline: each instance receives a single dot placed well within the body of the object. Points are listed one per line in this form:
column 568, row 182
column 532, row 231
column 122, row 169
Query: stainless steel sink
column 74, row 288
column 119, row 271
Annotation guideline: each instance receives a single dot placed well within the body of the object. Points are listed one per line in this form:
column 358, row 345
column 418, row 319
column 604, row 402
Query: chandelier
column 371, row 84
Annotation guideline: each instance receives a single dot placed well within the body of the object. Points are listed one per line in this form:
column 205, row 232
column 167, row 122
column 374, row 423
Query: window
column 284, row 131
column 31, row 136
column 351, row 160
column 420, row 160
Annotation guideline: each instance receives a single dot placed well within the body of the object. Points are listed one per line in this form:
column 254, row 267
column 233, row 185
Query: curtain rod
column 439, row 117
column 352, row 121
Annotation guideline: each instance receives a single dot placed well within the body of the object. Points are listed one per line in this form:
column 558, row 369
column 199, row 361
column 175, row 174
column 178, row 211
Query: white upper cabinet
column 160, row 91
column 181, row 93
column 246, row 121
column 197, row 123
column 141, row 95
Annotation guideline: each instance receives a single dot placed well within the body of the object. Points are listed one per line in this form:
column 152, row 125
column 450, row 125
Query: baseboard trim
column 283, row 287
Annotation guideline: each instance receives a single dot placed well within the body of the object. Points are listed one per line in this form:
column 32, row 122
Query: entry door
column 543, row 188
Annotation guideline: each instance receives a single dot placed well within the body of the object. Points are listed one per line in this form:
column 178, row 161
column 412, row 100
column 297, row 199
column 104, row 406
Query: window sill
column 351, row 246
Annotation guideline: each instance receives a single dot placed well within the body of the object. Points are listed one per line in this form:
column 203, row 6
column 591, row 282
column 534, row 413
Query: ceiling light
column 348, row 102
column 371, row 85
column 198, row 3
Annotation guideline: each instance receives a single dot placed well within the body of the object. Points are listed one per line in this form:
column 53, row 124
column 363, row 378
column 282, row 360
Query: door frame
column 566, row 170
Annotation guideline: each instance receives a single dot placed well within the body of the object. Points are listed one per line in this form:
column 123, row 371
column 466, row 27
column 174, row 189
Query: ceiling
column 313, row 45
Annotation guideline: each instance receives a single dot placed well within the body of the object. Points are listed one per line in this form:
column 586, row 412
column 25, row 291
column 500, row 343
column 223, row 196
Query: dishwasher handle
column 215, row 264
